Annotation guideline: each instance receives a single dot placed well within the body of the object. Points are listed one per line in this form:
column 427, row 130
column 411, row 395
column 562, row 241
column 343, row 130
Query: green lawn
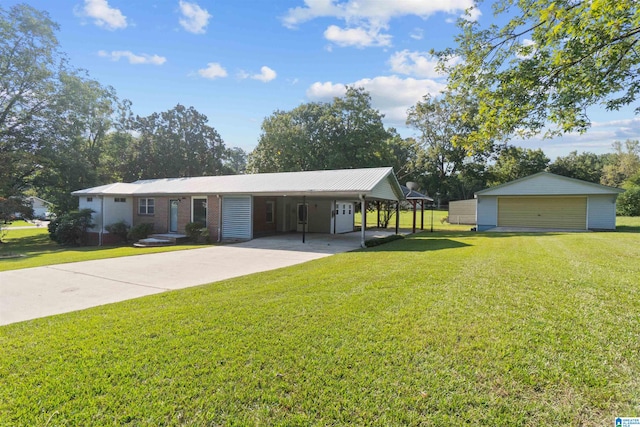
column 438, row 329
column 37, row 250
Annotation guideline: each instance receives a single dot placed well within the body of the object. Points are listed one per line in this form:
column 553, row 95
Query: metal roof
column 414, row 195
column 328, row 183
column 547, row 183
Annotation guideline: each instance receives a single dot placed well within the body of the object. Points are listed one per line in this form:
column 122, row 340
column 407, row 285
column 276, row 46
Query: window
column 89, row 199
column 120, row 200
column 146, row 206
column 269, row 212
column 199, row 211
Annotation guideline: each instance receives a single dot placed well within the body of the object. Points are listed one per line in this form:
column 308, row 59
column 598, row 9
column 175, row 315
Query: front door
column 173, row 216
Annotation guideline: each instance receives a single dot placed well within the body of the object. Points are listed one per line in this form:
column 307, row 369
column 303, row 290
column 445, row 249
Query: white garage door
column 236, row 218
column 543, row 212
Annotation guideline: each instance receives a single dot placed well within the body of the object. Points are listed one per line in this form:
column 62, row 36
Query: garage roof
column 373, row 183
column 547, row 184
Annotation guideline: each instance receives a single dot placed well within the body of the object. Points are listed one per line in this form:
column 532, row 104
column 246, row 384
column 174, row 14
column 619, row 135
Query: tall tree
column 176, row 143
column 346, row 133
column 30, row 63
column 623, row 164
column 549, row 62
column 440, row 121
column 514, row 163
column 584, row 166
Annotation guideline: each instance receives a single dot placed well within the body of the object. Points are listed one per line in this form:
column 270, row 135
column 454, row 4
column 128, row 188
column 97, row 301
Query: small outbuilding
column 549, row 201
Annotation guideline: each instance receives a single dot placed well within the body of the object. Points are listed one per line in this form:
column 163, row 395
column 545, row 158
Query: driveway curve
column 44, row 291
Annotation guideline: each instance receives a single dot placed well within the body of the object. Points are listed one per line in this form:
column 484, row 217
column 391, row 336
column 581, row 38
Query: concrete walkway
column 44, row 291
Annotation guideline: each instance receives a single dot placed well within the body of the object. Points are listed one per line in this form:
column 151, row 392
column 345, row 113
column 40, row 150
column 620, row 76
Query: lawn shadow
column 627, row 229
column 419, row 245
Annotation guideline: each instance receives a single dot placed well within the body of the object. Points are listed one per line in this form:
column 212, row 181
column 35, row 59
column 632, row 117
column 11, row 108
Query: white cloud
column 194, row 18
column 103, row 15
column 266, row 75
column 374, row 10
column 419, row 64
column 133, row 58
column 358, row 37
column 392, row 95
column 213, row 71
column 417, row 34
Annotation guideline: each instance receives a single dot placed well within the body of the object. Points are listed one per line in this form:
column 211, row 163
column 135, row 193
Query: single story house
column 241, row 207
column 546, row 200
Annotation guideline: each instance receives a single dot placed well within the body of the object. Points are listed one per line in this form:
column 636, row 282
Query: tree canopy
column 346, row 133
column 547, row 64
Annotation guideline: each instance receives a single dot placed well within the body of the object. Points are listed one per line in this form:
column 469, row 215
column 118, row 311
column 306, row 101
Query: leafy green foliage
column 628, row 203
column 196, row 232
column 370, row 243
column 438, row 329
column 448, row 168
column 120, row 229
column 140, row 231
column 71, row 229
column 347, row 133
column 623, row 164
column 585, row 166
column 549, row 62
column 176, row 143
column 516, row 162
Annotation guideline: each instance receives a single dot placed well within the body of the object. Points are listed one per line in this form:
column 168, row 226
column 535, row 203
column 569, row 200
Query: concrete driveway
column 44, row 291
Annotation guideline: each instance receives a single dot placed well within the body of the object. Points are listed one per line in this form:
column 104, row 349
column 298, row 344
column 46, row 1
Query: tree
column 176, row 143
column 548, row 63
column 440, row 121
column 30, row 63
column 514, row 163
column 584, row 166
column 74, row 153
column 236, row 160
column 623, row 165
column 347, row 133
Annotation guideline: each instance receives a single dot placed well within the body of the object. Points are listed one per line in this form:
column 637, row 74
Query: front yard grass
column 35, row 249
column 449, row 328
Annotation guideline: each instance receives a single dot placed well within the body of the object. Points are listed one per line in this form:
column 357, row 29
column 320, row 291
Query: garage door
column 543, row 212
column 236, row 218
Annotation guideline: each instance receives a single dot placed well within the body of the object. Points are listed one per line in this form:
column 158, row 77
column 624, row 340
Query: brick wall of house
column 213, row 217
column 160, row 217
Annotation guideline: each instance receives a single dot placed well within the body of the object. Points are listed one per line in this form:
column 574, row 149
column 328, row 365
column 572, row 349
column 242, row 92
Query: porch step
column 153, row 242
column 174, row 237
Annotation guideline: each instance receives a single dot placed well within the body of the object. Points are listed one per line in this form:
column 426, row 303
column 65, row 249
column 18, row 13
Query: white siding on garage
column 602, row 212
column 237, row 218
column 487, row 212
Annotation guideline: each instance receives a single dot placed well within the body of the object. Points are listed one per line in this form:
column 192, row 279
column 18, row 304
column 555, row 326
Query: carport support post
column 422, row 215
column 304, row 217
column 397, row 217
column 363, row 228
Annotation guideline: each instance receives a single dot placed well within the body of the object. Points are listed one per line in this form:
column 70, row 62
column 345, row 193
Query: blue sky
column 237, row 61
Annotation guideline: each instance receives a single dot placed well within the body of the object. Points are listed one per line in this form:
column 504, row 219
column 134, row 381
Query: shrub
column 119, row 229
column 629, row 202
column 71, row 228
column 196, row 232
column 382, row 240
column 140, row 231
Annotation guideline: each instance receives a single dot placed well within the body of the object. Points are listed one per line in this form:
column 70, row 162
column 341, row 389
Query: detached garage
column 548, row 201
